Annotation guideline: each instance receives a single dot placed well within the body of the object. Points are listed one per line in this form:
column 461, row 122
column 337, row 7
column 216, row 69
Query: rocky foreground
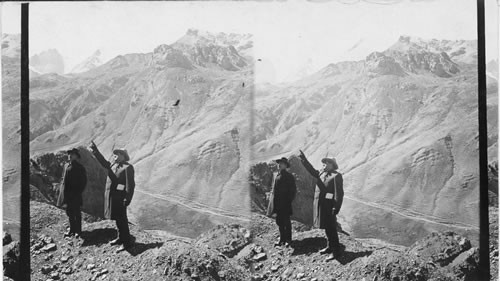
column 440, row 256
column 231, row 252
column 152, row 258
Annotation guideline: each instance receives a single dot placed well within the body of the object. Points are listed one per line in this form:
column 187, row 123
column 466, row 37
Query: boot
column 124, row 247
column 115, row 241
column 326, row 250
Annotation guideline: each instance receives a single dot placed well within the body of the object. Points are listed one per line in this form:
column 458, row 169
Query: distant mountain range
column 49, row 61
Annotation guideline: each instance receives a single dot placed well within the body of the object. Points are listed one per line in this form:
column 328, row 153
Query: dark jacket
column 72, row 185
column 284, row 190
column 120, row 186
column 326, row 184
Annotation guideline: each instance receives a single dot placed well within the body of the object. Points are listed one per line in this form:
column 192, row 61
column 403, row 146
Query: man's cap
column 74, row 151
column 332, row 161
column 122, row 152
column 284, row 160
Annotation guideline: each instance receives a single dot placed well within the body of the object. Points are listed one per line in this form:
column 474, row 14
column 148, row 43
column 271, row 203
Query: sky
column 289, row 36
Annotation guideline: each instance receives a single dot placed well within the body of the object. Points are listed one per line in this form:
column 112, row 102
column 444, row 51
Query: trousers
column 332, row 234
column 123, row 230
column 75, row 218
column 285, row 227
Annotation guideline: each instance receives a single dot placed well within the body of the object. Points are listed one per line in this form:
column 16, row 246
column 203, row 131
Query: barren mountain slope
column 403, row 127
column 190, row 159
column 11, row 129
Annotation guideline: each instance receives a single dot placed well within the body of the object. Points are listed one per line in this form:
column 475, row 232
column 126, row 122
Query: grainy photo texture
column 219, row 140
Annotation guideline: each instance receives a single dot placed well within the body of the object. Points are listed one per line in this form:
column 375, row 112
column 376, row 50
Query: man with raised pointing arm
column 331, row 195
column 120, row 186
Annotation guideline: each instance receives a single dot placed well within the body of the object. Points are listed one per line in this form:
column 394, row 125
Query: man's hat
column 332, row 161
column 74, row 151
column 122, row 152
column 284, row 160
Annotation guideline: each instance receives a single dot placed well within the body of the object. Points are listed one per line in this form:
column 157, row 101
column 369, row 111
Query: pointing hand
column 301, row 155
column 92, row 146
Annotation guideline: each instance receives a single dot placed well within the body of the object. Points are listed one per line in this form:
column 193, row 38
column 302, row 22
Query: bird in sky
column 177, row 102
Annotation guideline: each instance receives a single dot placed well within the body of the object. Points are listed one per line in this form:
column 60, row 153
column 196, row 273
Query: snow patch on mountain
column 89, row 63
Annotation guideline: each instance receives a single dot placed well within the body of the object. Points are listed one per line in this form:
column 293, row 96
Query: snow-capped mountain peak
column 242, row 43
column 464, row 51
column 89, row 63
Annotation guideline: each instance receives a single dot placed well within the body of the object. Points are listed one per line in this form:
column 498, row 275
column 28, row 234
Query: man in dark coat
column 70, row 192
column 118, row 194
column 284, row 191
column 330, row 193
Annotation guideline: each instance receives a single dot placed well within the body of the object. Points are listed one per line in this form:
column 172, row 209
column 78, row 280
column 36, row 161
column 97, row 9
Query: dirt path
column 199, row 207
column 414, row 215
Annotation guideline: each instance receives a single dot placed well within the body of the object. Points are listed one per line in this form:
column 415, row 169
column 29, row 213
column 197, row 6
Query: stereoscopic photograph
column 251, row 140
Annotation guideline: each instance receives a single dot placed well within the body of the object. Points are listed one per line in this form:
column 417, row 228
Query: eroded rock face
column 381, row 64
column 170, row 57
column 47, row 172
column 261, row 180
column 226, row 51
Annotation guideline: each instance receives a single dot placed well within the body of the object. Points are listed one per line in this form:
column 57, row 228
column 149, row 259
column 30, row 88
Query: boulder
column 11, row 254
column 466, row 265
column 227, row 239
column 261, row 180
column 46, row 175
column 440, row 248
column 6, row 238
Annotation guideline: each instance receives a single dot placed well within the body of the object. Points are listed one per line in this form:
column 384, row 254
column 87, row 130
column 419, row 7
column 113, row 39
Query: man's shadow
column 139, row 248
column 99, row 237
column 308, row 245
column 314, row 244
column 347, row 257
